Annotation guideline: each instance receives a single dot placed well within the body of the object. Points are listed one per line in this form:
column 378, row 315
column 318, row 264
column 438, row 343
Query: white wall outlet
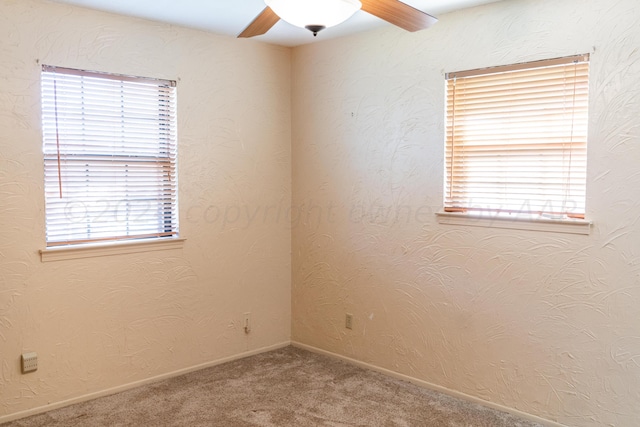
column 247, row 323
column 348, row 323
column 29, row 362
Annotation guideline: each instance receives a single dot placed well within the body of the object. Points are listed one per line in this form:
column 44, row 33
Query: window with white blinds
column 109, row 157
column 516, row 139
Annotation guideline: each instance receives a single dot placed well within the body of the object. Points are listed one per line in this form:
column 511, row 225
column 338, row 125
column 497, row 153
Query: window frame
column 144, row 125
column 465, row 213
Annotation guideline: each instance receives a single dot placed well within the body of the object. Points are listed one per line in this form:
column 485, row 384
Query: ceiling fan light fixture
column 314, row 13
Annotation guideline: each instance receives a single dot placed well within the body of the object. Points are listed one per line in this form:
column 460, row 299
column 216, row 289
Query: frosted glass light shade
column 303, row 13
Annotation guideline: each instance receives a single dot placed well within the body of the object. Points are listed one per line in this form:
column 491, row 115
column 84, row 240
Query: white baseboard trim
column 124, row 387
column 429, row 385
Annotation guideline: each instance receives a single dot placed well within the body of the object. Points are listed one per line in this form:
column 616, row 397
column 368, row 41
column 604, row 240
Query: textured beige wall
column 546, row 323
column 103, row 322
column 541, row 322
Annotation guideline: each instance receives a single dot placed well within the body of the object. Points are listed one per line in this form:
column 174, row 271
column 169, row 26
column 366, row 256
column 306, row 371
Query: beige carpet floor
column 286, row 387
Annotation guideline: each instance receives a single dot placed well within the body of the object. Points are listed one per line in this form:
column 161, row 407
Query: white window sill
column 571, row 226
column 60, row 253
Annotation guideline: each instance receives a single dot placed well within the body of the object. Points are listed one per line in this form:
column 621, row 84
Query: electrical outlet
column 348, row 323
column 29, row 362
column 247, row 323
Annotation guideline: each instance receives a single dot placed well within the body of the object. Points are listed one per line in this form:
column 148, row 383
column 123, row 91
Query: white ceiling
column 230, row 17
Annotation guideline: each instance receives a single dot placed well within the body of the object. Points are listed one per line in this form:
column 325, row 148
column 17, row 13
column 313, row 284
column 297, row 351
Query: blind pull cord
column 453, row 140
column 55, row 106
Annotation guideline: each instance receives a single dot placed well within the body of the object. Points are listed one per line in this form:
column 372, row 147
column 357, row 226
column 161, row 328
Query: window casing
column 516, row 139
column 109, row 145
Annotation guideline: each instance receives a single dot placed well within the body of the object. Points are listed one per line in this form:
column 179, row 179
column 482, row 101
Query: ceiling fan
column 392, row 11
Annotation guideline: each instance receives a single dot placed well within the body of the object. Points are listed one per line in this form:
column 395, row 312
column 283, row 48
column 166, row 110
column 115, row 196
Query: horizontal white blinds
column 516, row 138
column 110, row 157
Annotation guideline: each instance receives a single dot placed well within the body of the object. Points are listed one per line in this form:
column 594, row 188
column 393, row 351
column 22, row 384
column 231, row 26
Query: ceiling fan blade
column 261, row 24
column 400, row 14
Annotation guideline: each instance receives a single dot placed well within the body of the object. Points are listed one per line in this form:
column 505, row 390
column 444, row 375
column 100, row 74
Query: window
column 516, row 139
column 109, row 157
